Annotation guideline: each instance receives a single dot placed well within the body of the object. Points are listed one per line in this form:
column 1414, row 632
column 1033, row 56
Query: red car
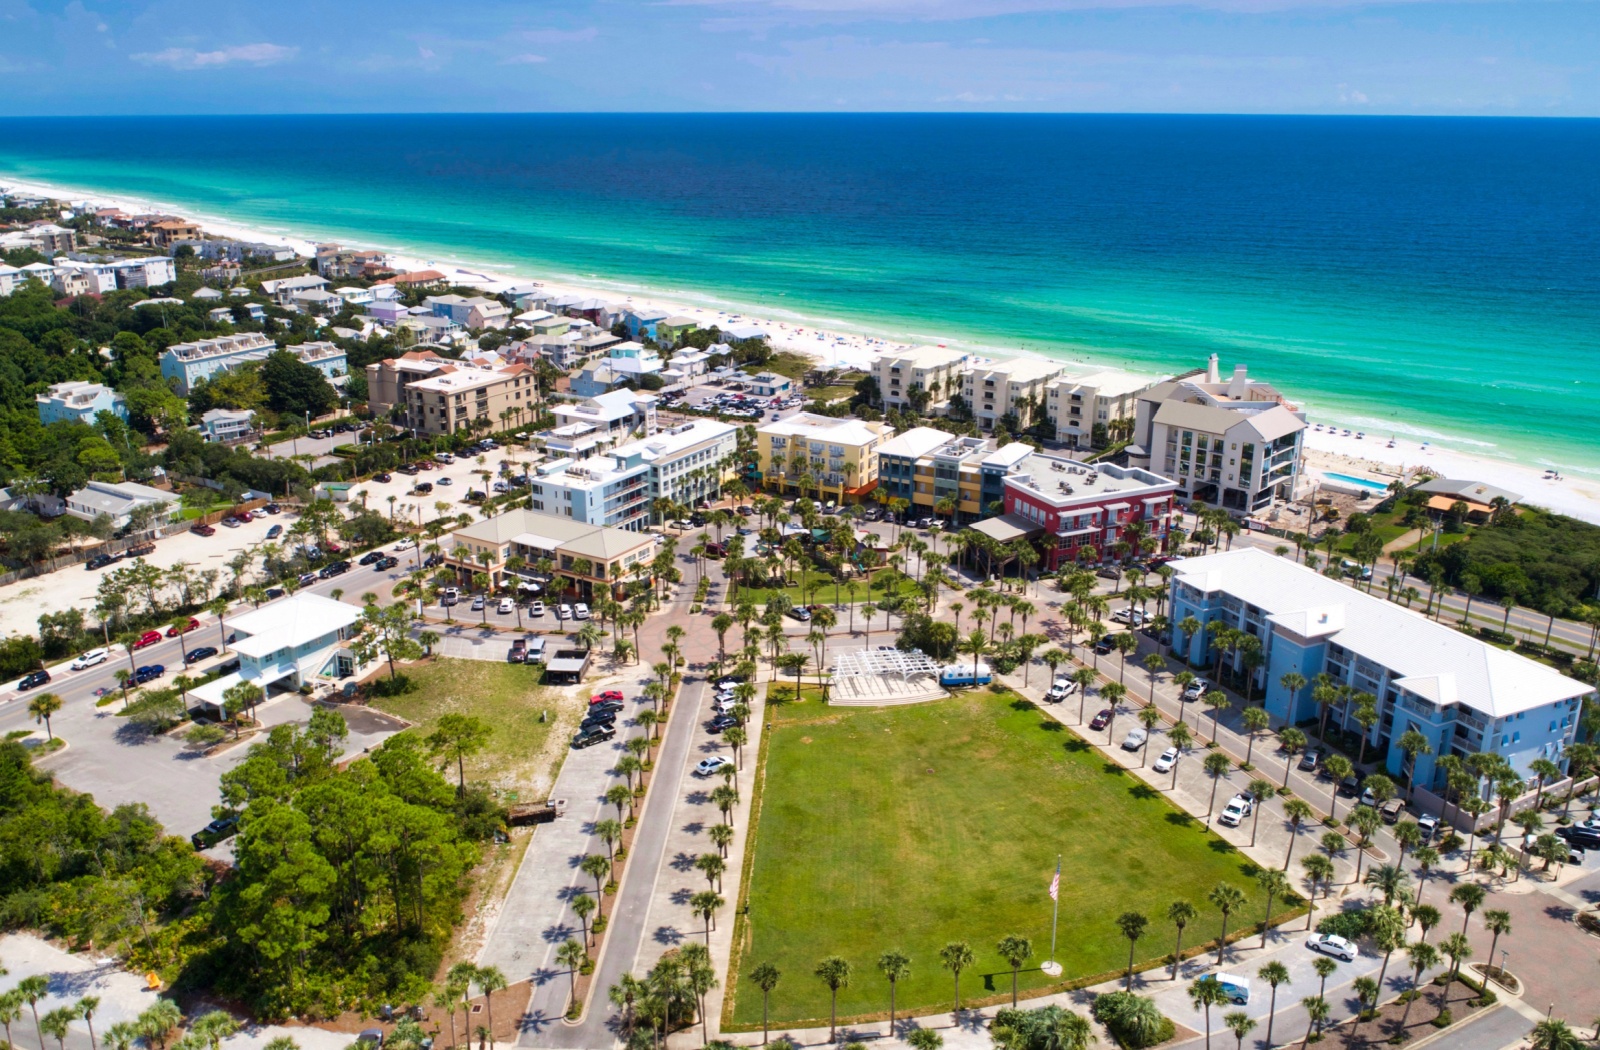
column 332, row 548
column 245, row 516
column 203, row 530
column 609, row 694
column 147, row 638
column 173, row 632
column 1101, row 720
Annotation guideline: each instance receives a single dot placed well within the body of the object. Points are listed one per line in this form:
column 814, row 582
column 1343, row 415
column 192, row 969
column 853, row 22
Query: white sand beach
column 833, row 345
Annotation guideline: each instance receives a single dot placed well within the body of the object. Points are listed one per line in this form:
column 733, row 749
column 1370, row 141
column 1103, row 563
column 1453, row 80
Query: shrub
column 396, row 686
column 205, row 736
column 1133, row 1020
column 1027, row 1029
column 1351, row 925
column 1444, row 1020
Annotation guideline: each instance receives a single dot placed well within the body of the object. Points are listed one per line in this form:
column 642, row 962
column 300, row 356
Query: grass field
column 911, row 827
column 520, row 755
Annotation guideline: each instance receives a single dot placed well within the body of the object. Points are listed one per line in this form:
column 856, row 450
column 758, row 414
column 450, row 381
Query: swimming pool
column 1351, row 479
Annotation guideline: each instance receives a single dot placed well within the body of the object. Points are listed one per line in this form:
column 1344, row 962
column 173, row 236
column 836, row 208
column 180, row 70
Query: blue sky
column 1531, row 57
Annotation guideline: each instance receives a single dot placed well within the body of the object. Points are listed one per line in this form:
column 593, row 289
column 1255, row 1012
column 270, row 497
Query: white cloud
column 188, row 58
column 523, row 60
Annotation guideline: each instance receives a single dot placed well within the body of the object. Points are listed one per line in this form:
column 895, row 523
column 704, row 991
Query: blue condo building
column 1463, row 695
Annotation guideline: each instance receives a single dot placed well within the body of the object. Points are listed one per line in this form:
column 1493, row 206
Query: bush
column 397, row 686
column 1027, row 1029
column 205, row 736
column 1444, row 1020
column 1351, row 925
column 1133, row 1020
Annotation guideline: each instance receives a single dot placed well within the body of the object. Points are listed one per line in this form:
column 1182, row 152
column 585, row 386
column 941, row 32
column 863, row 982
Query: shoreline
column 836, row 343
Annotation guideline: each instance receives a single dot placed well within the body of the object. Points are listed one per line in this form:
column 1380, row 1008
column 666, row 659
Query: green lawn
column 516, row 759
column 911, row 827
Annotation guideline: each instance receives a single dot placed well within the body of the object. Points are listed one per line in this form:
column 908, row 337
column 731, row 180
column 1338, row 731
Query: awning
column 1007, row 527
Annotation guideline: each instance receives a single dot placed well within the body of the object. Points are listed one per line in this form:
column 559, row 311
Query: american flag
column 1055, row 883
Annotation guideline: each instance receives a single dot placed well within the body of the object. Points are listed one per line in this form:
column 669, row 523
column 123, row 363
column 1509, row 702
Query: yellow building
column 928, row 466
column 829, row 458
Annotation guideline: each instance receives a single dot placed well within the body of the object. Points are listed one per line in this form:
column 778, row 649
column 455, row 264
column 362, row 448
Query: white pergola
column 896, row 662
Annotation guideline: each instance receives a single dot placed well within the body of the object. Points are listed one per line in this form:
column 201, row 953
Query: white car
column 506, row 605
column 1238, row 808
column 563, row 611
column 1332, row 944
column 1060, row 689
column 708, row 766
column 404, row 545
column 536, row 608
column 722, row 703
column 89, row 659
column 580, row 611
column 1168, row 759
column 1196, row 689
column 1135, row 740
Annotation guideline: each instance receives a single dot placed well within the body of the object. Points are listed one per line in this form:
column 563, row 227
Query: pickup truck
column 1238, row 808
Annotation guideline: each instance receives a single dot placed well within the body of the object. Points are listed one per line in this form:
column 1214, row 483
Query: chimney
column 1212, row 373
column 1236, row 386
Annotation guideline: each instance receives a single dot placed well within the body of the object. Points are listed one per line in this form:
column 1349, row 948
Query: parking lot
column 734, row 404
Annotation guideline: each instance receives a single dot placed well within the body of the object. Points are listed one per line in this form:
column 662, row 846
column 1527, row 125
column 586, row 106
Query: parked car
column 1311, row 759
column 1166, row 761
column 1238, row 808
column 272, row 508
column 231, row 522
column 1332, row 944
column 370, row 557
column 801, row 613
column 446, row 481
column 1428, row 824
column 422, row 488
column 449, row 596
column 580, row 611
column 519, row 651
column 1060, row 689
column 708, row 766
column 202, row 530
column 219, row 830
column 205, row 652
column 1135, row 740
column 1106, row 645
column 148, row 638
column 610, row 695
column 1391, row 810
column 246, row 517
column 404, row 545
column 274, row 532
column 100, row 561
column 338, row 568
column 175, row 630
column 591, row 736
column 604, row 707
column 139, row 550
column 721, row 722
column 606, row 718
column 89, row 659
column 1196, row 689
column 29, row 681
column 385, row 476
column 505, row 605
column 306, row 579
column 563, row 611
column 1350, row 786
column 536, row 609
column 1101, row 720
column 147, row 673
column 478, row 603
column 1582, row 837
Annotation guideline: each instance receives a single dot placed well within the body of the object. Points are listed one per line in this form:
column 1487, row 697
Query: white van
column 535, row 651
column 1236, row 987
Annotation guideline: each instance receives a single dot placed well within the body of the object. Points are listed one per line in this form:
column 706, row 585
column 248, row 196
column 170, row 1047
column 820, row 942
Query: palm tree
column 1014, row 950
column 766, row 977
column 489, row 980
column 1204, row 994
column 1316, row 1008
column 1225, row 898
column 572, row 955
column 41, row 707
column 32, row 989
column 1273, row 884
column 56, row 1024
column 834, row 972
column 1298, row 811
column 1240, row 1024
column 895, row 966
column 1180, row 913
column 957, row 956
column 86, row 1006
column 1423, row 956
column 1554, row 1034
column 1496, row 922
column 1274, row 973
column 1132, row 924
column 1217, row 765
column 1467, row 896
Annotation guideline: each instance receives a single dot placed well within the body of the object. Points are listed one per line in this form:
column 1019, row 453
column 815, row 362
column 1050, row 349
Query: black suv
column 36, row 678
column 370, row 557
column 385, row 563
column 592, row 735
column 215, row 832
column 338, row 568
column 1583, row 838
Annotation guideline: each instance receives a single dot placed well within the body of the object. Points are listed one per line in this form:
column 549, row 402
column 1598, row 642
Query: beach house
column 226, row 424
column 304, row 639
column 686, row 463
column 118, row 500
column 188, row 363
column 457, row 395
column 1462, row 695
column 1015, row 387
column 1082, row 407
column 80, row 402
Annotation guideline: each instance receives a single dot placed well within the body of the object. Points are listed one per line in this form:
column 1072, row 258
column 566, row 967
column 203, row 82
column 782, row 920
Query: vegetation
column 913, row 827
column 1532, row 557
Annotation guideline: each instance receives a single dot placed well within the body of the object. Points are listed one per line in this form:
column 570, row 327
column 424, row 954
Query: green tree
column 1204, row 994
column 1132, row 924
column 895, row 966
column 765, row 977
column 1240, row 1024
column 1227, row 899
column 834, row 971
column 1180, row 913
column 957, row 956
column 457, row 736
column 42, row 706
column 1015, row 950
column 1274, row 974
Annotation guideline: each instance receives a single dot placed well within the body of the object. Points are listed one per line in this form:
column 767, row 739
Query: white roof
column 675, row 441
column 1427, row 658
column 290, row 622
column 914, row 443
column 926, row 356
column 835, row 430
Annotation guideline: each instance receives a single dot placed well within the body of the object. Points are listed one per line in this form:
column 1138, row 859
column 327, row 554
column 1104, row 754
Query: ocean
column 1433, row 278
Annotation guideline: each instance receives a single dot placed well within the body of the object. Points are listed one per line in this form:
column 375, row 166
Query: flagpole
column 1052, row 967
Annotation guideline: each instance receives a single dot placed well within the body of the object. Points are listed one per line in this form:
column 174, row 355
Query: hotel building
column 936, row 369
column 838, row 454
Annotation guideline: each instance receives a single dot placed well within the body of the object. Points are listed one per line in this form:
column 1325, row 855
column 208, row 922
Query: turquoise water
column 1432, row 278
column 1375, row 486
